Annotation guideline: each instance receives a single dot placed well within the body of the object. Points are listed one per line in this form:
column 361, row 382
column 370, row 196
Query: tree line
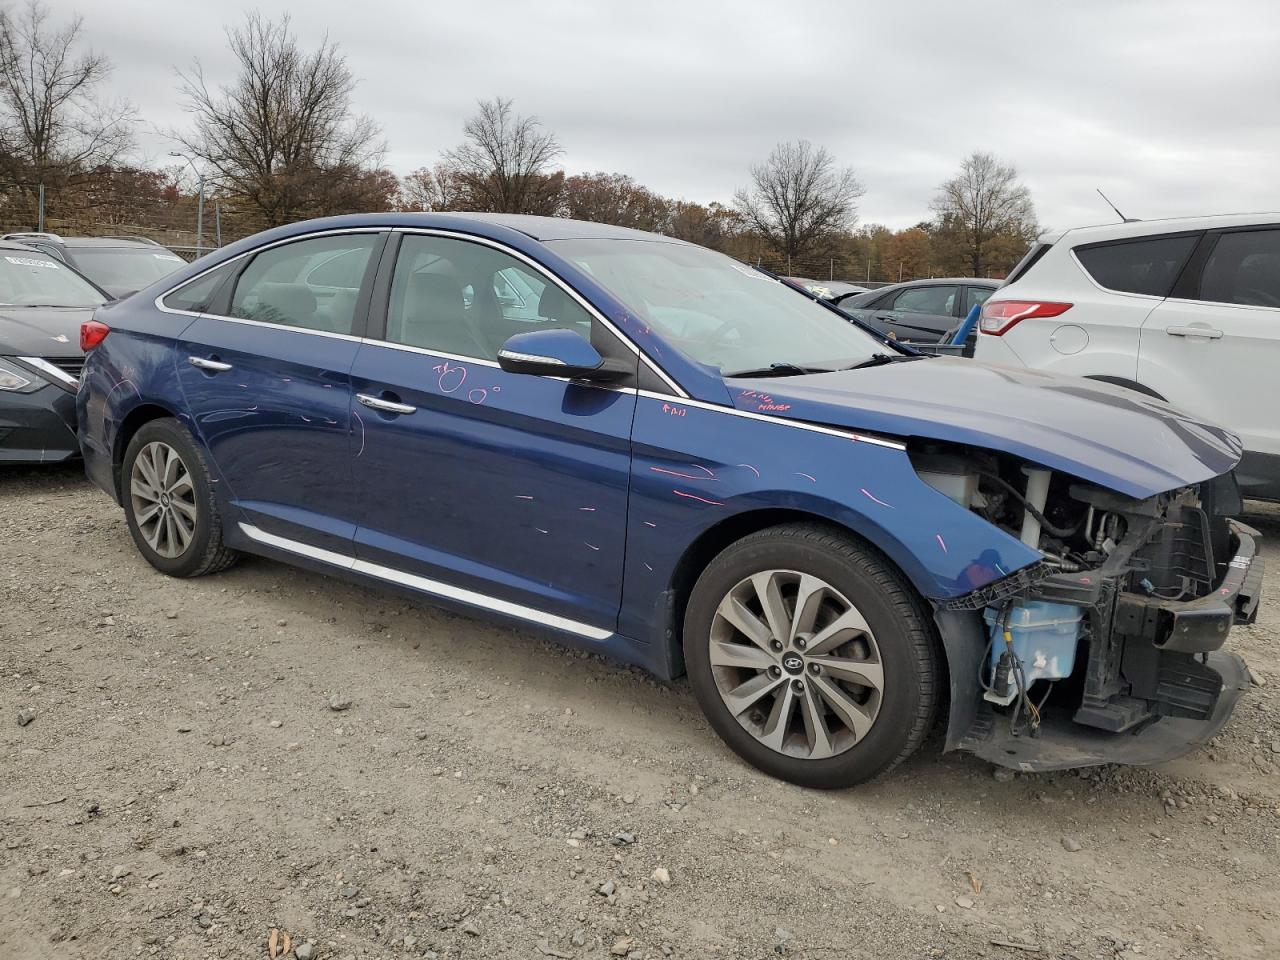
column 283, row 141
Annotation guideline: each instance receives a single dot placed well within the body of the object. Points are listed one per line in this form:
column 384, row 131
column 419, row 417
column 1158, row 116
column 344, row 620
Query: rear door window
column 976, row 296
column 939, row 300
column 1148, row 266
column 1244, row 268
column 313, row 284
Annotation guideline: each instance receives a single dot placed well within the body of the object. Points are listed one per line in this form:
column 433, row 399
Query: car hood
column 42, row 331
column 1108, row 435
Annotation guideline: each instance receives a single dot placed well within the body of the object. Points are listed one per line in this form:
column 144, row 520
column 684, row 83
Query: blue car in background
column 656, row 452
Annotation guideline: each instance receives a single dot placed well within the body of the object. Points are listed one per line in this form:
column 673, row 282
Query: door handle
column 1207, row 333
column 385, row 406
column 217, row 366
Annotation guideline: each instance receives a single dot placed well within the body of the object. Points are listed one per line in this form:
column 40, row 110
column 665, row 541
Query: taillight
column 1000, row 316
column 92, row 333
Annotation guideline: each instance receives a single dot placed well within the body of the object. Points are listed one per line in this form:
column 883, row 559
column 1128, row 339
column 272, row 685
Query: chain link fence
column 170, row 222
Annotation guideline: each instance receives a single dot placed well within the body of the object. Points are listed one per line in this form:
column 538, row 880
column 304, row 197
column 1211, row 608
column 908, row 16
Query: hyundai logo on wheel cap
column 793, row 663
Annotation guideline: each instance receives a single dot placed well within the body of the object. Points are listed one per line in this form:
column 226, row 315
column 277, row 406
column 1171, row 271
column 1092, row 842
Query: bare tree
column 799, row 196
column 54, row 125
column 984, row 212
column 503, row 162
column 283, row 136
column 432, row 189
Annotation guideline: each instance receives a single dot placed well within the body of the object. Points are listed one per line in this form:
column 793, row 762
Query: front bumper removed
column 1155, row 684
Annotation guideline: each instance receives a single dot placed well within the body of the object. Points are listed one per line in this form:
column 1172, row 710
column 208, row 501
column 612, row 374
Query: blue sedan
column 653, row 451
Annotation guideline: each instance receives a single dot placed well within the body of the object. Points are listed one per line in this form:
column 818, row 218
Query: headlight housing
column 18, row 379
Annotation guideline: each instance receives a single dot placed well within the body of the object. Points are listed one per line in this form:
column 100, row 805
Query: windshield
column 125, row 268
column 33, row 280
column 718, row 311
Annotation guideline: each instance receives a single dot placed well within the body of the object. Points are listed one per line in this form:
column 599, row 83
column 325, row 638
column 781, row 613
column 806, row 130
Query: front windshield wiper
column 880, row 359
column 780, row 369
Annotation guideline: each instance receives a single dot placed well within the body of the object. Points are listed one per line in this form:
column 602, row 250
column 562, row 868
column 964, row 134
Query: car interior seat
column 433, row 317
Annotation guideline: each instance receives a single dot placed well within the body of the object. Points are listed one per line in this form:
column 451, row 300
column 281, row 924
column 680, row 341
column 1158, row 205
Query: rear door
column 266, row 377
column 506, row 491
column 922, row 313
column 1214, row 347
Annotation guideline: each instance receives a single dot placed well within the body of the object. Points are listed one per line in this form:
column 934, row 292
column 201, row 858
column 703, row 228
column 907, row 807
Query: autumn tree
column 907, row 254
column 985, row 216
column 284, row 136
column 798, row 197
column 613, row 198
column 55, row 124
column 503, row 164
column 708, row 226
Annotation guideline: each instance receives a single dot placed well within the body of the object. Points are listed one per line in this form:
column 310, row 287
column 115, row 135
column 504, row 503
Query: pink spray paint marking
column 807, row 477
column 591, row 545
column 451, row 376
column 478, row 395
column 942, row 543
column 750, row 467
column 871, row 496
column 650, row 523
column 362, row 436
column 673, row 411
column 587, row 509
column 692, row 496
column 540, row 530
column 649, row 568
column 523, row 496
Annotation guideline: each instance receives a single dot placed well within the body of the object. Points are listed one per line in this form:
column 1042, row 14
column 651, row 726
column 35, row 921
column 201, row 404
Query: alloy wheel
column 163, row 499
column 796, row 664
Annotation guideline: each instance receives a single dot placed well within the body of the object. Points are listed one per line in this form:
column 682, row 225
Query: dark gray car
column 920, row 311
column 43, row 301
column 119, row 265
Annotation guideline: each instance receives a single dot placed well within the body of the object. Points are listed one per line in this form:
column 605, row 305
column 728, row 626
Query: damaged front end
column 1109, row 649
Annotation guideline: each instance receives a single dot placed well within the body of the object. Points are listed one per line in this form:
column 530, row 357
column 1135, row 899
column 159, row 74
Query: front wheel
column 169, row 503
column 811, row 656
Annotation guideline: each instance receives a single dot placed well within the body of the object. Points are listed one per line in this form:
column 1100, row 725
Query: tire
column 169, row 503
column 811, row 734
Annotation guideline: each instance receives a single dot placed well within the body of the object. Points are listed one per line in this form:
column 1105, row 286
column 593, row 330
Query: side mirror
column 557, row 353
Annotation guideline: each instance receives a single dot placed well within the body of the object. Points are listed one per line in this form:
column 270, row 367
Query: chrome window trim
column 551, row 278
column 47, row 368
column 797, row 424
column 426, row 585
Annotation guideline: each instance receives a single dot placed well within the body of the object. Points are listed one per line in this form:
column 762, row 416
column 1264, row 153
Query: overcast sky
column 1170, row 107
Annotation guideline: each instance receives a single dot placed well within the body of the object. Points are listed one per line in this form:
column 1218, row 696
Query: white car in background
column 1184, row 310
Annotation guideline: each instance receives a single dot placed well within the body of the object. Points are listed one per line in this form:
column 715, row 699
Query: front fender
column 695, row 467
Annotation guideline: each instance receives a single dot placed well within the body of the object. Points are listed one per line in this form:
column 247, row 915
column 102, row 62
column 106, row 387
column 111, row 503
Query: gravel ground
column 267, row 749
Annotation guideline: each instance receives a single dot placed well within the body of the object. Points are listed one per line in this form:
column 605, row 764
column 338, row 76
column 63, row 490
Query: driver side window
column 466, row 299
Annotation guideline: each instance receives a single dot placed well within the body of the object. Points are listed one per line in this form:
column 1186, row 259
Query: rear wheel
column 811, row 656
column 169, row 504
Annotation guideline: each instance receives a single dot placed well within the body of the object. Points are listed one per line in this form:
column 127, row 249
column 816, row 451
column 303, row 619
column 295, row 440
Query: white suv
column 1184, row 310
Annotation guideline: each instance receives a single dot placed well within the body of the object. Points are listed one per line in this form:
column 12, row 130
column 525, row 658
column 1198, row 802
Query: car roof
column 1143, row 228
column 21, row 247
column 28, row 237
column 558, row 228
column 935, row 281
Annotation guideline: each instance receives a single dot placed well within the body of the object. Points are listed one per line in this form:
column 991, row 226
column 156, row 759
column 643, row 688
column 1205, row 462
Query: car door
column 266, row 377
column 1215, row 350
column 504, row 490
column 922, row 313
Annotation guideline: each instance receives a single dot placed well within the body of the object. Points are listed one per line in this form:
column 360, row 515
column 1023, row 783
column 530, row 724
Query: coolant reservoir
column 1045, row 636
column 953, row 480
